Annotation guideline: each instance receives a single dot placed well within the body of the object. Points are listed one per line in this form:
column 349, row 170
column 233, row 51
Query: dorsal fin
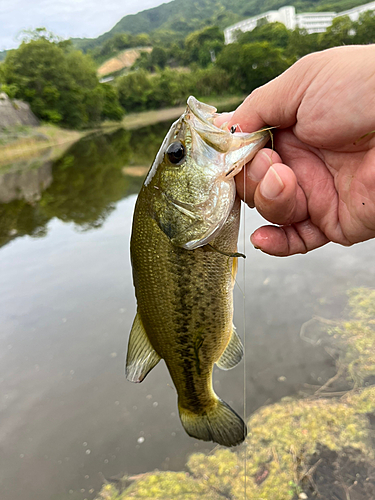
column 141, row 357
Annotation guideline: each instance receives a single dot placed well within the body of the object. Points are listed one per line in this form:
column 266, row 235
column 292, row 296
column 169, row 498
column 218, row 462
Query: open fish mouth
column 238, row 147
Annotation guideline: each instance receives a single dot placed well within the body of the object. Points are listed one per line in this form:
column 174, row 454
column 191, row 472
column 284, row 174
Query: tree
column 111, row 106
column 38, row 34
column 141, row 40
column 59, row 83
column 203, row 46
column 133, row 90
column 252, row 64
column 159, row 57
column 301, row 43
column 341, row 32
column 275, row 33
column 365, row 28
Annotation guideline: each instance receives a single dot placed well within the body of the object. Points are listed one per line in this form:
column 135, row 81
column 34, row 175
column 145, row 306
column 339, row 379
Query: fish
column 184, row 261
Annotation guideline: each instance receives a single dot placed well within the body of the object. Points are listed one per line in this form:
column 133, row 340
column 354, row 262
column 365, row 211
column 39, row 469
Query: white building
column 285, row 15
column 312, row 22
column 315, row 22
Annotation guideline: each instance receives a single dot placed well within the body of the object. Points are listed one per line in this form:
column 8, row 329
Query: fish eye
column 176, row 152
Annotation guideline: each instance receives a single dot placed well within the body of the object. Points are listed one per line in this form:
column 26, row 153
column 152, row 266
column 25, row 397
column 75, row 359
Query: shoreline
column 34, row 141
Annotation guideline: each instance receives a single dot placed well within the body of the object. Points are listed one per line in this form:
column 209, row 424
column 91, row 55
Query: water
column 69, row 419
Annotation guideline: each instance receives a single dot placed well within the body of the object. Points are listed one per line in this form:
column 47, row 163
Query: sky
column 66, row 18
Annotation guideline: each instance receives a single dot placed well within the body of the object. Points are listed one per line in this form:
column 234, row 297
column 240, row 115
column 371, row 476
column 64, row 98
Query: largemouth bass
column 183, row 253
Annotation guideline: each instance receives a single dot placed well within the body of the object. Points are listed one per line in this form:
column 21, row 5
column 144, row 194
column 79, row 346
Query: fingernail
column 257, row 247
column 258, row 170
column 272, row 185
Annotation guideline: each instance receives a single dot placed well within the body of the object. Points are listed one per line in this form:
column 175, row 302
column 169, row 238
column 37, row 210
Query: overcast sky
column 67, row 18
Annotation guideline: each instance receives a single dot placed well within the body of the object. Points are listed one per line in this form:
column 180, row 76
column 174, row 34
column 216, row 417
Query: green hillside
column 182, row 17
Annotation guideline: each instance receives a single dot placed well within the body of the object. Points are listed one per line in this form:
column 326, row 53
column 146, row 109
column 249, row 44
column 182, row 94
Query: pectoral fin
column 232, row 354
column 141, row 357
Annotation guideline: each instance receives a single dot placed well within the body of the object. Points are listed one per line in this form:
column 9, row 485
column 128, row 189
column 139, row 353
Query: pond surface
column 68, row 418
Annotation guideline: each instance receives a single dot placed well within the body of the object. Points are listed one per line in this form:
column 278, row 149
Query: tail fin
column 219, row 423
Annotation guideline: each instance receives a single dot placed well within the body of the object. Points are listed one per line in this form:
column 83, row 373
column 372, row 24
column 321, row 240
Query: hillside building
column 312, row 22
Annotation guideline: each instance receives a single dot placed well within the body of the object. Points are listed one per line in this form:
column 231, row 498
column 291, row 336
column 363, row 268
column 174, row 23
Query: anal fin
column 141, row 357
column 232, row 354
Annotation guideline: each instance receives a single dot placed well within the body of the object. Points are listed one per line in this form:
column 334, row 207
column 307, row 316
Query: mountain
column 184, row 16
column 181, row 17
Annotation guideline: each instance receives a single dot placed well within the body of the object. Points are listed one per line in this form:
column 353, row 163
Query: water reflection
column 83, row 186
column 26, row 182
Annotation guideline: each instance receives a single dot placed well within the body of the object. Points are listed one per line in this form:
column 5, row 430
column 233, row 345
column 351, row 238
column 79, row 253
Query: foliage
column 139, row 90
column 157, row 59
column 276, row 33
column 60, row 85
column 28, row 35
column 118, row 43
column 301, row 43
column 252, row 64
column 179, row 18
column 111, row 107
column 365, row 28
column 341, row 32
column 133, row 90
column 204, row 45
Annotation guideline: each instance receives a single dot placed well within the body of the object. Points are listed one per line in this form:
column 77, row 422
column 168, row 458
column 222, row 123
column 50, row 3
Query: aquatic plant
column 284, row 438
column 357, row 334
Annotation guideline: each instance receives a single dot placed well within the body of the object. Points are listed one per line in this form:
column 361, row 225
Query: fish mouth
column 238, row 147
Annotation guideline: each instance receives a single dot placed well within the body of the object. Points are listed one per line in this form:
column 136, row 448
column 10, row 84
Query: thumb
column 276, row 103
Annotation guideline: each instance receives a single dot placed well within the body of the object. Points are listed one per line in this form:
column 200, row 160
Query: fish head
column 191, row 185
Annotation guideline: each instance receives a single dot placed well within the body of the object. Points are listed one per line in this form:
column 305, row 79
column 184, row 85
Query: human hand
column 319, row 183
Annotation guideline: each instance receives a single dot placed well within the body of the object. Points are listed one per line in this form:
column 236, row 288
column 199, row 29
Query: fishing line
column 233, row 129
column 244, row 322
